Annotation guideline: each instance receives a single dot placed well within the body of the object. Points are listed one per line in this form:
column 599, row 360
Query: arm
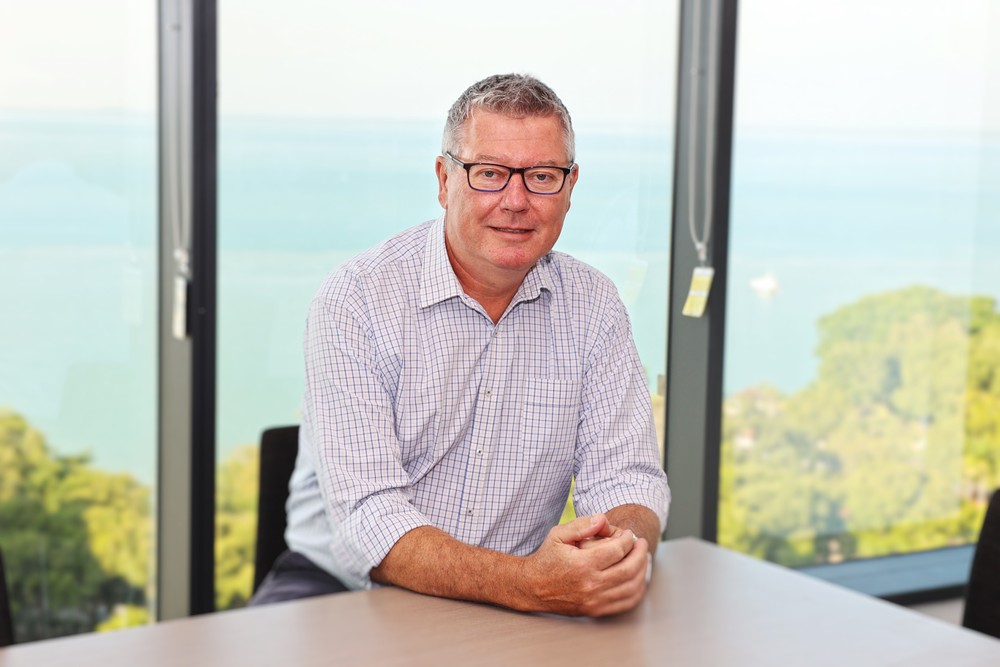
column 560, row 577
column 640, row 520
column 348, row 432
column 618, row 467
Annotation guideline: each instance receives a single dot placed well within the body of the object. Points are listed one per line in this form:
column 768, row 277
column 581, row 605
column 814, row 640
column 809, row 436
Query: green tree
column 894, row 447
column 76, row 540
column 236, row 527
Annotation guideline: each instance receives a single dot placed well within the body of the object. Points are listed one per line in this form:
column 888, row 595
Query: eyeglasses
column 486, row 177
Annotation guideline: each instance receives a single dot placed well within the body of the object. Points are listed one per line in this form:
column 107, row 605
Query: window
column 862, row 365
column 330, row 119
column 78, row 168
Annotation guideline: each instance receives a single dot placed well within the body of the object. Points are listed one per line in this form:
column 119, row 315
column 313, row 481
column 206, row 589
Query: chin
column 516, row 258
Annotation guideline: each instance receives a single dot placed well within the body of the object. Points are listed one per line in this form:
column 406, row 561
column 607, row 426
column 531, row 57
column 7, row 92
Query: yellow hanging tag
column 701, row 285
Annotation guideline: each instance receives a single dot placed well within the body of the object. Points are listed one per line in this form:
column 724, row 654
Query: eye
column 544, row 176
column 488, row 172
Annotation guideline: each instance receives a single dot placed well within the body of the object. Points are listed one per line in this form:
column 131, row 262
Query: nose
column 515, row 195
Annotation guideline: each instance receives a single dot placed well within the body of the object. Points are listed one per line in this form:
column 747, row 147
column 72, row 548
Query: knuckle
column 590, row 588
column 594, row 608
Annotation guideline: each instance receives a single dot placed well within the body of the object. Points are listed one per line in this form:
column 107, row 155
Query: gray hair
column 514, row 95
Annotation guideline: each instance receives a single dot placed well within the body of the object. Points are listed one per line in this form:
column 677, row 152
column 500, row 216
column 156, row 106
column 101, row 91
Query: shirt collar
column 538, row 278
column 438, row 281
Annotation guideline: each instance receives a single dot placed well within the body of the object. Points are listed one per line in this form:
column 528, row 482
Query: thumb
column 581, row 528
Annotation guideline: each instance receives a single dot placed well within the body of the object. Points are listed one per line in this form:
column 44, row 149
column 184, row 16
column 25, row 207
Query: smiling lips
column 511, row 231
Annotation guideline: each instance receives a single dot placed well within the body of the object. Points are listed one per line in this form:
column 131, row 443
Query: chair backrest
column 6, row 620
column 278, row 449
column 982, row 598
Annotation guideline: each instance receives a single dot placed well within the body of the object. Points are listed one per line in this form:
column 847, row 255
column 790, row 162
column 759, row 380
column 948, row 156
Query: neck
column 494, row 293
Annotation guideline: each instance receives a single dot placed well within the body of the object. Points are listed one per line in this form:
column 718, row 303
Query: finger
column 619, row 598
column 607, row 552
column 589, row 542
column 634, row 562
column 606, row 529
column 623, row 598
column 627, row 592
column 580, row 528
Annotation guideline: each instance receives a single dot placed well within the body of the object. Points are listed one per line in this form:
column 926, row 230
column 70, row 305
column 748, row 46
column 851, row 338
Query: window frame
column 187, row 404
column 695, row 346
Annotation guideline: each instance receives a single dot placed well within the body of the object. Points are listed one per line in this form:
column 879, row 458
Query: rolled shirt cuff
column 369, row 533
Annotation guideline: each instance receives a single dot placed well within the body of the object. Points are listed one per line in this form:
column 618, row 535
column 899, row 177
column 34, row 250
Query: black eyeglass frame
column 566, row 171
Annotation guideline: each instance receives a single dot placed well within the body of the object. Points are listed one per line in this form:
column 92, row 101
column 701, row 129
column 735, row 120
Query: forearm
column 640, row 520
column 560, row 577
column 428, row 560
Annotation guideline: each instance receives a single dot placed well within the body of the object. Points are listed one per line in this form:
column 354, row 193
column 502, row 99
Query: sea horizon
column 78, row 219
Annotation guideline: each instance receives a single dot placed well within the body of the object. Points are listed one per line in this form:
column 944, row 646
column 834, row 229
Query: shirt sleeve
column 617, row 460
column 349, row 415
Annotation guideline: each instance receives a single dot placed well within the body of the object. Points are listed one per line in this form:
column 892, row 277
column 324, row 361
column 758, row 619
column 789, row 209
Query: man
column 459, row 376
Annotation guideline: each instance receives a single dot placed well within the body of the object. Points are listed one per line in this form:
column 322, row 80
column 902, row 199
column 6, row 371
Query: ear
column 441, row 169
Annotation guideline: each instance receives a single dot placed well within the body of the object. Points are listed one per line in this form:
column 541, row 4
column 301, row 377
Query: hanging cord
column 701, row 244
column 180, row 214
column 180, row 220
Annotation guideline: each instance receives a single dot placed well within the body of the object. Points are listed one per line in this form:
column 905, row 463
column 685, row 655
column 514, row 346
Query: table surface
column 706, row 606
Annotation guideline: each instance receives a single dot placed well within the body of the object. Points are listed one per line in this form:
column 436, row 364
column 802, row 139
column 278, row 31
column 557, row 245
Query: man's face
column 495, row 238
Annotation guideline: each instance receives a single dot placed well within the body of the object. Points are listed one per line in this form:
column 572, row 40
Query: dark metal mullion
column 695, row 345
column 725, row 96
column 203, row 311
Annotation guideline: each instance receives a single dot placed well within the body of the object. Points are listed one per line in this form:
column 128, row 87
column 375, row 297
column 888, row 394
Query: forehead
column 495, row 137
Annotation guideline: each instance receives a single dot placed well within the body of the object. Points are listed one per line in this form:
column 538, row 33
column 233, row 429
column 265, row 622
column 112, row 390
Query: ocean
column 818, row 220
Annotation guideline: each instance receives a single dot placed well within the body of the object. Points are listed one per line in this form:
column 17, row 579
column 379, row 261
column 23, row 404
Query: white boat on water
column 765, row 286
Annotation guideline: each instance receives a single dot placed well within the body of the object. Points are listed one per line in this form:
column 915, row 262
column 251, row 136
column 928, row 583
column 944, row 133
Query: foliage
column 236, row 527
column 894, row 447
column 76, row 540
column 124, row 616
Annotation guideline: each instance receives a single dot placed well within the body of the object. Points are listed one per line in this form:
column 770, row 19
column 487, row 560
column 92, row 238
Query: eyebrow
column 493, row 159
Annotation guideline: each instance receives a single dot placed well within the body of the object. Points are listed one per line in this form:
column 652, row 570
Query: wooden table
column 706, row 606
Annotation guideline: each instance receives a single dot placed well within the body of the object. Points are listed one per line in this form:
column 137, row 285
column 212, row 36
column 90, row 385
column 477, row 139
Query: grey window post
column 695, row 345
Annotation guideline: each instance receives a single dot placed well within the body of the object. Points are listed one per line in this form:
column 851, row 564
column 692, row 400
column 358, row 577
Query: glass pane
column 862, row 373
column 78, row 215
column 331, row 117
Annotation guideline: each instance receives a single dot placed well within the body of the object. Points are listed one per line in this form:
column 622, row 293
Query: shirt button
column 469, row 512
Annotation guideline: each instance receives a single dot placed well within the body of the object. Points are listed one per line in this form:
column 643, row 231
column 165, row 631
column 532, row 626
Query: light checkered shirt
column 420, row 411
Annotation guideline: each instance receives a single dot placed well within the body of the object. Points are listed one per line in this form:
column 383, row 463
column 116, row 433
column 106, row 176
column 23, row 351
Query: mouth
column 511, row 230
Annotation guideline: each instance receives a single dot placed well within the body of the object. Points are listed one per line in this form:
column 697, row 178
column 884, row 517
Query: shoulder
column 396, row 254
column 587, row 301
column 584, row 288
column 387, row 271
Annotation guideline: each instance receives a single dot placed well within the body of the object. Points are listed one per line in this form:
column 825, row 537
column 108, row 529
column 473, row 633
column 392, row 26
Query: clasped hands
column 588, row 567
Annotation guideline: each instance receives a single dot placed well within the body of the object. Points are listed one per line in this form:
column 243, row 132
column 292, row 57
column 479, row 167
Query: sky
column 58, row 55
column 905, row 64
column 317, row 58
column 869, row 64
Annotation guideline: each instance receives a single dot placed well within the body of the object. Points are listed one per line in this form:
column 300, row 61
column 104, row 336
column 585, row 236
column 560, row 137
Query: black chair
column 6, row 620
column 278, row 449
column 982, row 598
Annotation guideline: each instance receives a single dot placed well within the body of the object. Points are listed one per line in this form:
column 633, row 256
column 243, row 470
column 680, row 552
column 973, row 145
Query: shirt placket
column 486, row 431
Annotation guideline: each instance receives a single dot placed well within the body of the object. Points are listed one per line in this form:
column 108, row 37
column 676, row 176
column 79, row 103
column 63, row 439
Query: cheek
column 554, row 236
